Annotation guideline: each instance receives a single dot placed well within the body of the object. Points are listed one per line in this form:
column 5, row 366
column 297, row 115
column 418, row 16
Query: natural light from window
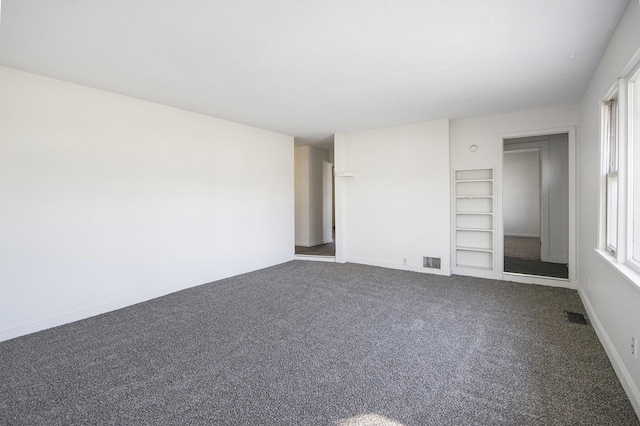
column 368, row 420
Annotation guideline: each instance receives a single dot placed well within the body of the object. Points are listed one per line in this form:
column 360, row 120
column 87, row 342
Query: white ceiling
column 310, row 68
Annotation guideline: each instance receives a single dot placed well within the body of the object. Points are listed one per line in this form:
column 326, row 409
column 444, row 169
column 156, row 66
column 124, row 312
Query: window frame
column 611, row 150
column 633, row 153
column 618, row 240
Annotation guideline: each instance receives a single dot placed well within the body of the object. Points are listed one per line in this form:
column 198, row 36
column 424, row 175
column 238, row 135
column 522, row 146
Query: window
column 610, row 133
column 634, row 170
column 620, row 197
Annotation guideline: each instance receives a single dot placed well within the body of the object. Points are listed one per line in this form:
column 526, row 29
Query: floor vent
column 575, row 318
column 431, row 262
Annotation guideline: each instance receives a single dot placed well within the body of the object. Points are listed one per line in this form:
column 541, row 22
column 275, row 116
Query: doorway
column 535, row 205
column 314, row 203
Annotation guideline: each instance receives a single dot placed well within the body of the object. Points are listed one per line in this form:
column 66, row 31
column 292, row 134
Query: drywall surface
column 486, row 133
column 397, row 191
column 108, row 200
column 521, row 195
column 317, row 160
column 341, row 202
column 312, row 196
column 327, row 201
column 301, row 182
column 558, row 199
column 612, row 300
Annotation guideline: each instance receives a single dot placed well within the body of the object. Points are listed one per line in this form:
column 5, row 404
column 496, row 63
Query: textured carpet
column 311, row 343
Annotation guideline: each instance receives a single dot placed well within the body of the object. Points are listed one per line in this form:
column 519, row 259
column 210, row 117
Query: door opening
column 314, row 202
column 535, row 205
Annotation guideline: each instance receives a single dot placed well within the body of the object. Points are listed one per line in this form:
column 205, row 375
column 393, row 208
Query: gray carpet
column 312, row 343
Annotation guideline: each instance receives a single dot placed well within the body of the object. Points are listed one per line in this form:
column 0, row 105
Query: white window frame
column 633, row 184
column 611, row 145
column 619, row 247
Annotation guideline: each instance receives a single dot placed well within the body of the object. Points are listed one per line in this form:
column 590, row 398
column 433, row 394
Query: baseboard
column 628, row 384
column 521, row 235
column 65, row 317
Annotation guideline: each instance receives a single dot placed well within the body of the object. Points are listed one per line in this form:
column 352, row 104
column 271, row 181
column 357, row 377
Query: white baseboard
column 65, row 317
column 626, row 379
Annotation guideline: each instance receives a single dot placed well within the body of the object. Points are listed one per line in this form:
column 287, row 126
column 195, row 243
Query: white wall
column 397, row 204
column 327, row 201
column 488, row 133
column 521, row 193
column 108, row 200
column 613, row 302
column 558, row 199
column 301, row 183
column 313, row 196
column 317, row 160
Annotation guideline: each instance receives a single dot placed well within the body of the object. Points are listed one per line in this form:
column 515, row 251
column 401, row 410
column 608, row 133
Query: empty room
column 320, row 213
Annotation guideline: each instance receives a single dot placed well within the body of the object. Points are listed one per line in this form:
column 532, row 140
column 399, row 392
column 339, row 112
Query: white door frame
column 571, row 136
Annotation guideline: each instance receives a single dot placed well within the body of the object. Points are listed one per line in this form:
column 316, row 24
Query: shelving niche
column 474, row 221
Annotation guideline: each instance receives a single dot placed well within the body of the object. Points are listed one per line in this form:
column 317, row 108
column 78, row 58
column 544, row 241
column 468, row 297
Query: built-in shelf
column 473, row 219
column 474, row 213
column 462, row 248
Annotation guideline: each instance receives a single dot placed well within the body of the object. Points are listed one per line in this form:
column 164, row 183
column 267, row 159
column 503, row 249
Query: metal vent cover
column 431, row 262
column 575, row 318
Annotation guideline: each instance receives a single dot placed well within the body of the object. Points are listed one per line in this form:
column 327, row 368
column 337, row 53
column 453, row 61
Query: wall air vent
column 431, row 262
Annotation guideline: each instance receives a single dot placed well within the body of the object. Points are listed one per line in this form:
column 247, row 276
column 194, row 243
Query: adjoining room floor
column 517, row 265
column 328, row 249
column 522, row 256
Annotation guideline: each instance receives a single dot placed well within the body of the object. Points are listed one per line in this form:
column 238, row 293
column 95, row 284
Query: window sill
column 627, row 272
